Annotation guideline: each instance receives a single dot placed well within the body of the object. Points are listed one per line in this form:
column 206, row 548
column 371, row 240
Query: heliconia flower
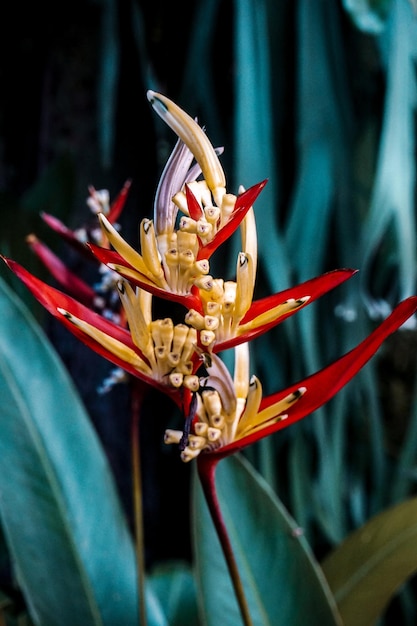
column 139, row 345
column 230, row 316
column 231, row 413
column 175, row 267
column 173, row 262
column 221, row 314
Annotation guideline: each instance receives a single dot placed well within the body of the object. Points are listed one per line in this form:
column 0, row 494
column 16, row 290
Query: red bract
column 68, row 311
column 251, row 325
column 72, row 284
column 113, row 260
column 243, row 203
column 323, row 385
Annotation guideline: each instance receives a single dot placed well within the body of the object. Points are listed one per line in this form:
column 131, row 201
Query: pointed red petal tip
column 243, row 204
column 194, row 209
column 117, row 206
column 53, row 299
column 56, row 225
column 324, row 384
column 72, row 284
column 315, row 288
column 66, row 233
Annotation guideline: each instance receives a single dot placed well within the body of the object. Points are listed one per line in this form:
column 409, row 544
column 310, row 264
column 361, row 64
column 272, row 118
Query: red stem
column 206, row 466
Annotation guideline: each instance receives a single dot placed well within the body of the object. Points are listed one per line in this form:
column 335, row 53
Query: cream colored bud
column 192, row 382
column 189, row 344
column 207, row 337
column 161, row 353
column 173, row 358
column 213, row 308
column 229, row 292
column 201, row 428
column 180, row 201
column 204, row 282
column 245, row 281
column 196, row 442
column 217, row 289
column 199, row 190
column 171, row 257
column 202, row 266
column 204, row 193
column 195, row 319
column 188, row 454
column 217, row 421
column 172, row 436
column 187, row 225
column 122, row 247
column 212, row 214
column 241, row 372
column 149, row 247
column 213, row 434
column 176, row 379
column 204, row 229
column 210, row 322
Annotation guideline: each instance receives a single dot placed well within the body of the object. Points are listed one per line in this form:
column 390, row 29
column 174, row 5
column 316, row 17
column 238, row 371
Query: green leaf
column 109, row 76
column 367, row 569
column 391, row 213
column 368, row 15
column 254, row 150
column 282, row 582
column 173, row 583
column 62, row 520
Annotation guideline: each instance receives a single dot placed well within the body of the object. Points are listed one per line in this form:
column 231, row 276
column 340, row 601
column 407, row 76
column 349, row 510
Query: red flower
column 231, row 414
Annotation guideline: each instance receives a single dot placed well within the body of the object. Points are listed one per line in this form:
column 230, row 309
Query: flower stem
column 137, row 395
column 206, row 470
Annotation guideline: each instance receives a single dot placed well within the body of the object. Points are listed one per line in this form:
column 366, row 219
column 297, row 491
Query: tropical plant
column 199, row 360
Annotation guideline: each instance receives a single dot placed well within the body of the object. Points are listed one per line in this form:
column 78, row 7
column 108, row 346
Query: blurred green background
column 318, row 97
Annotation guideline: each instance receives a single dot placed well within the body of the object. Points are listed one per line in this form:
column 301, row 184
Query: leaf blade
column 365, row 570
column 279, row 574
column 58, row 503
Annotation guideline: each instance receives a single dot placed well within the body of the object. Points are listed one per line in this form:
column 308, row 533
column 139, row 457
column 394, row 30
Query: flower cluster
column 194, row 214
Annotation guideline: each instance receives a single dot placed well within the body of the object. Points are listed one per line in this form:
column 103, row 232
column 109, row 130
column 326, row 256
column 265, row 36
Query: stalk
column 137, row 397
column 206, row 470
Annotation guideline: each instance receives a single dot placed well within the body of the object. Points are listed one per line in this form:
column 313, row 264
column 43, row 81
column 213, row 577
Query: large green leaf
column 174, row 585
column 254, row 151
column 372, row 563
column 282, row 582
column 58, row 505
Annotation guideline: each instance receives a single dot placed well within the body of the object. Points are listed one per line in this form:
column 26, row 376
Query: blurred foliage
column 319, row 97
